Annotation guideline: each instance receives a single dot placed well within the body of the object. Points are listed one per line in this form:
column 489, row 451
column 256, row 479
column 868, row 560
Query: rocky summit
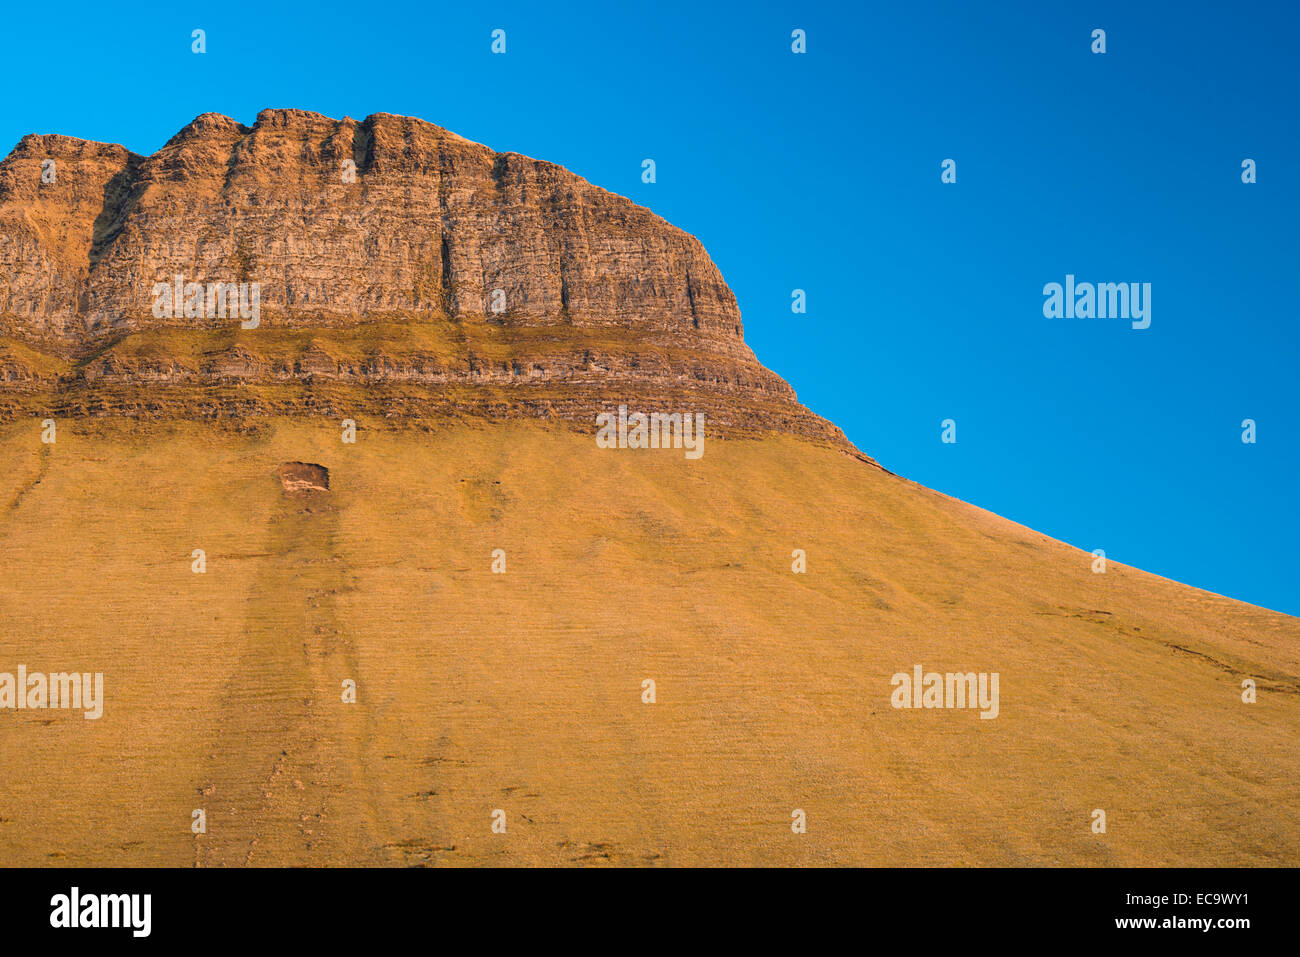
column 387, row 253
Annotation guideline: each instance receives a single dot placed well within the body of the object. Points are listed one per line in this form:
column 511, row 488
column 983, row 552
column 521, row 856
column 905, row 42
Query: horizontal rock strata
column 401, row 271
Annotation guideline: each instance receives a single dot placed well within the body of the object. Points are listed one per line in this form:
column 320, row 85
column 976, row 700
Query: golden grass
column 523, row 691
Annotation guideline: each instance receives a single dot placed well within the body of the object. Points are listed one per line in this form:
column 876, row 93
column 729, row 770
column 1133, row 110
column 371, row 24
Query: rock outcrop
column 388, row 253
column 298, row 477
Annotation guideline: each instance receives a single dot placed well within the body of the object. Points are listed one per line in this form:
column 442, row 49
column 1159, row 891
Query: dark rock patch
column 298, row 477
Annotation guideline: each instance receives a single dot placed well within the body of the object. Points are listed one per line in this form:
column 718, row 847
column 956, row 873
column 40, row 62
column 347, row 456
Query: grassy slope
column 522, row 692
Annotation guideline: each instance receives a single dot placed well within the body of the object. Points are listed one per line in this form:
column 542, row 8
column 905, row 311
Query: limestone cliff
column 388, row 253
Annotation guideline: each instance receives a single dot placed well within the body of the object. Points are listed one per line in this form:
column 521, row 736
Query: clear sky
column 821, row 171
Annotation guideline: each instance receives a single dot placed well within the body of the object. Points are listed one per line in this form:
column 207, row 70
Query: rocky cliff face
column 388, row 252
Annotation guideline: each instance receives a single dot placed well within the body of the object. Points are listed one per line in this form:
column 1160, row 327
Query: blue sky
column 822, row 172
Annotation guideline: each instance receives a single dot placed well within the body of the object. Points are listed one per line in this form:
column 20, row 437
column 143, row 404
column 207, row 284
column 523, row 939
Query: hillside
column 522, row 691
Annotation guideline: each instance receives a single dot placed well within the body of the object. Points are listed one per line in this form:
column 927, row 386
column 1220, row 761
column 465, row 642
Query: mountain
column 475, row 636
